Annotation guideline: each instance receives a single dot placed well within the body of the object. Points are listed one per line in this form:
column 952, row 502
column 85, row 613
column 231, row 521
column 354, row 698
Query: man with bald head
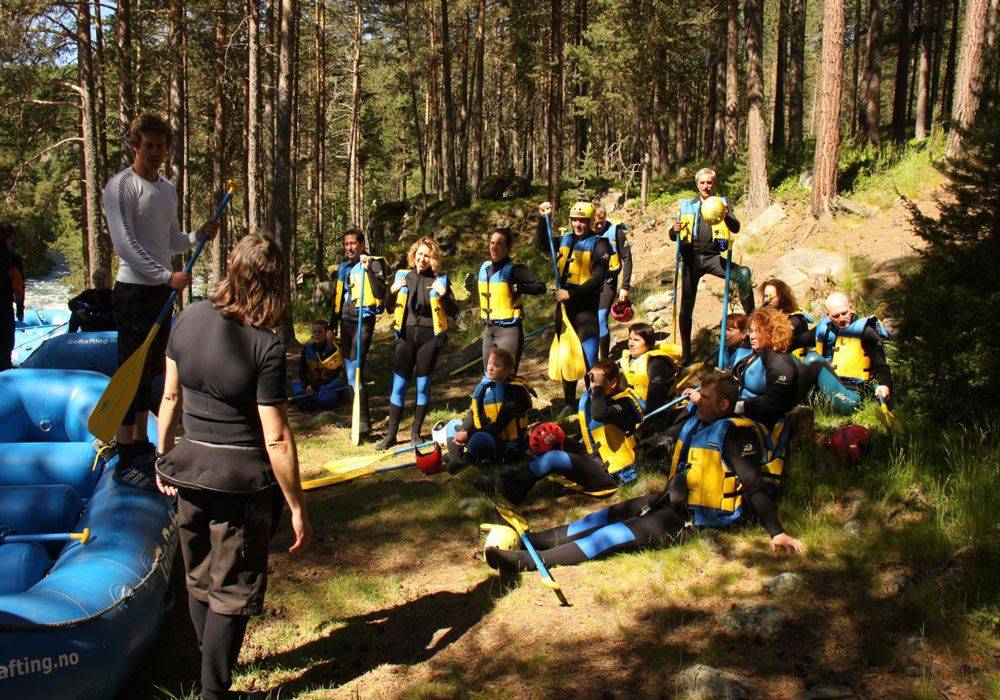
column 849, row 360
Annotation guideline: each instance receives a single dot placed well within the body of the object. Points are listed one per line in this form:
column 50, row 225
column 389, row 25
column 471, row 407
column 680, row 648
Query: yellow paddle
column 356, row 411
column 566, row 358
column 886, row 418
column 114, row 402
column 520, row 526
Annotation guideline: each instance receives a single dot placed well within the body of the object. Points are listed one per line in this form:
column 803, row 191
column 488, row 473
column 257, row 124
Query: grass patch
column 908, row 171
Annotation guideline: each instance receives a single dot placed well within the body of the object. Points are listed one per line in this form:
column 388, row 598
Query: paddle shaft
column 356, row 411
column 470, row 363
column 725, row 306
column 515, row 523
column 664, row 407
column 47, row 537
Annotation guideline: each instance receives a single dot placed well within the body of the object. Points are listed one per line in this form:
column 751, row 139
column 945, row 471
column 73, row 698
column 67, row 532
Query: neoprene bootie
column 390, row 434
column 419, row 413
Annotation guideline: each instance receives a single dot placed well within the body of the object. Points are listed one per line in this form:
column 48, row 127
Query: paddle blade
column 356, row 412
column 348, row 464
column 887, row 419
column 571, row 357
column 311, row 484
column 519, row 524
column 555, row 361
column 118, row 394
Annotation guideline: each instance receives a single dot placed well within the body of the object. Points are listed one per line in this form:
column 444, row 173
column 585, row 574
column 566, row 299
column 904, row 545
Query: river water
column 48, row 291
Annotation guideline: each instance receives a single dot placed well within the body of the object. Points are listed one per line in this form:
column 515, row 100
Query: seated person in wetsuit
column 92, row 307
column 497, row 422
column 848, row 363
column 320, row 368
column 647, row 369
column 768, row 377
column 716, row 480
column 610, row 415
column 737, row 340
column 778, row 295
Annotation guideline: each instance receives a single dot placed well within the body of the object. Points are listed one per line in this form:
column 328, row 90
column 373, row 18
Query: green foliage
column 948, row 342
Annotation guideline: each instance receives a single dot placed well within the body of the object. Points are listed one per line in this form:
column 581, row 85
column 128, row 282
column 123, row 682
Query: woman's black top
column 418, row 299
column 227, row 369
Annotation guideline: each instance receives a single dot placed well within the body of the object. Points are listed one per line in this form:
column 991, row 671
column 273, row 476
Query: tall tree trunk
column 462, row 123
column 319, row 142
column 281, row 183
column 455, row 197
column 434, row 108
column 778, row 123
column 578, row 30
column 732, row 77
column 856, row 67
column 354, row 204
column 294, row 257
column 758, row 192
column 126, row 89
column 254, row 164
column 102, row 102
column 797, row 72
column 871, row 85
column 219, row 248
column 553, row 127
column 175, row 43
column 939, row 21
column 924, row 105
column 899, row 99
column 970, row 73
column 98, row 243
column 478, row 73
column 271, row 21
column 719, row 125
column 828, row 132
column 948, row 90
column 417, row 132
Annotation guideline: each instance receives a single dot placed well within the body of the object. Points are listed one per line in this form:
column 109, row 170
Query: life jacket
column 606, row 441
column 319, row 367
column 731, row 357
column 807, row 321
column 636, row 371
column 753, row 383
column 487, row 400
column 343, row 270
column 498, row 305
column 370, row 305
column 575, row 258
column 714, row 492
column 438, row 315
column 841, row 347
column 611, row 235
column 690, row 218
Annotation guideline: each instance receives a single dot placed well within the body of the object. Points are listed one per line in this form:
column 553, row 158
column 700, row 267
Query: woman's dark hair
column 786, row 297
column 740, row 321
column 507, row 234
column 251, row 290
column 646, row 332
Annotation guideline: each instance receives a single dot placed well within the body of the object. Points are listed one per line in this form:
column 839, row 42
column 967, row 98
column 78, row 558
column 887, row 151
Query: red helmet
column 850, row 442
column 622, row 311
column 545, row 437
column 431, row 462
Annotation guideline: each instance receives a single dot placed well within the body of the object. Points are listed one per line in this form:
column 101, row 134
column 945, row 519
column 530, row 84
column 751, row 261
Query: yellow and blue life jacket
column 370, row 305
column 842, row 348
column 611, row 235
column 438, row 315
column 636, row 371
column 343, row 271
column 690, row 218
column 807, row 321
column 754, row 380
column 319, row 367
column 575, row 258
column 487, row 400
column 606, row 441
column 714, row 492
column 731, row 357
column 498, row 305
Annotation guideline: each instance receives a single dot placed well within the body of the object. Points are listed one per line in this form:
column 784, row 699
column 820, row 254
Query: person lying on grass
column 716, row 480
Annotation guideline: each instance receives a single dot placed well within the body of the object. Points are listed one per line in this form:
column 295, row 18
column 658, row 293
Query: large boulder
column 766, row 220
column 506, row 186
column 655, row 302
column 386, row 223
column 447, row 238
column 612, row 200
column 708, row 683
column 810, row 268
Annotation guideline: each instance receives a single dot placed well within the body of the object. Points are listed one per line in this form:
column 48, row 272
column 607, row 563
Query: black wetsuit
column 872, row 344
column 703, row 257
column 584, row 299
column 654, row 520
column 516, row 403
column 620, row 279
column 800, row 332
column 510, row 337
column 780, row 392
column 97, row 304
column 417, row 350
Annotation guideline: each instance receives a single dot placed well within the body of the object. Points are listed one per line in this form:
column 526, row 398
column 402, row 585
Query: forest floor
column 392, row 599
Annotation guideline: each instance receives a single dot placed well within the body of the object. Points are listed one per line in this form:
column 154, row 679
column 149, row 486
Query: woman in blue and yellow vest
column 496, row 425
column 778, row 295
column 583, row 260
column 848, row 363
column 647, row 369
column 716, row 480
column 619, row 282
column 769, row 376
column 499, row 285
column 347, row 305
column 610, row 414
column 701, row 248
column 424, row 301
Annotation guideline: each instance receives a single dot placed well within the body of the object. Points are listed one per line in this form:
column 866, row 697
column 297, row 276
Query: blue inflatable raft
column 96, row 351
column 76, row 618
column 38, row 326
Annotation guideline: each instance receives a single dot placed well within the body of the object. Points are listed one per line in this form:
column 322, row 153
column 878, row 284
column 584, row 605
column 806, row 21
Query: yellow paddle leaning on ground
column 118, row 394
column 566, row 359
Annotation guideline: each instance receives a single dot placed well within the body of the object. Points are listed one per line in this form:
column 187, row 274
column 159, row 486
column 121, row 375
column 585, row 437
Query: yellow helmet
column 713, row 210
column 582, row 210
column 500, row 536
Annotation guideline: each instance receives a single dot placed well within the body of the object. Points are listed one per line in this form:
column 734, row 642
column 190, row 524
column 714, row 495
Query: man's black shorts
column 136, row 307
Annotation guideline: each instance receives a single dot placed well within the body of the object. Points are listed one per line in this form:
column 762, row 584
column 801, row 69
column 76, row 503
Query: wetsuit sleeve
column 468, row 425
column 661, row 373
column 742, row 453
column 525, row 281
column 600, row 259
column 378, row 274
column 303, row 368
column 605, row 410
column 800, row 330
column 732, row 223
column 625, row 256
column 448, row 302
column 79, row 301
column 119, row 206
column 871, row 343
column 542, row 237
column 808, row 339
column 780, row 391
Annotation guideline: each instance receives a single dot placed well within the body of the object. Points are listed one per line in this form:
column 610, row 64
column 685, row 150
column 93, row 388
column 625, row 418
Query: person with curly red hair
column 768, row 377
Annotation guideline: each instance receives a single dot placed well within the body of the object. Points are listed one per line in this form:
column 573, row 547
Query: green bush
column 947, row 363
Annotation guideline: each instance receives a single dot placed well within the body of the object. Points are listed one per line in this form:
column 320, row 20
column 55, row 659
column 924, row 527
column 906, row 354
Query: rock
column 470, row 506
column 763, row 622
column 517, row 211
column 806, row 179
column 686, row 173
column 782, row 584
column 852, row 207
column 655, row 302
column 708, row 683
column 659, row 323
column 824, row 691
column 767, row 219
column 446, row 237
column 386, row 222
column 852, row 527
column 506, row 186
column 803, row 269
column 612, row 200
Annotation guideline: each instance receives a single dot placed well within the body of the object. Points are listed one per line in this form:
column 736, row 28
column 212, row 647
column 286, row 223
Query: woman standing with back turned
column 226, row 372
